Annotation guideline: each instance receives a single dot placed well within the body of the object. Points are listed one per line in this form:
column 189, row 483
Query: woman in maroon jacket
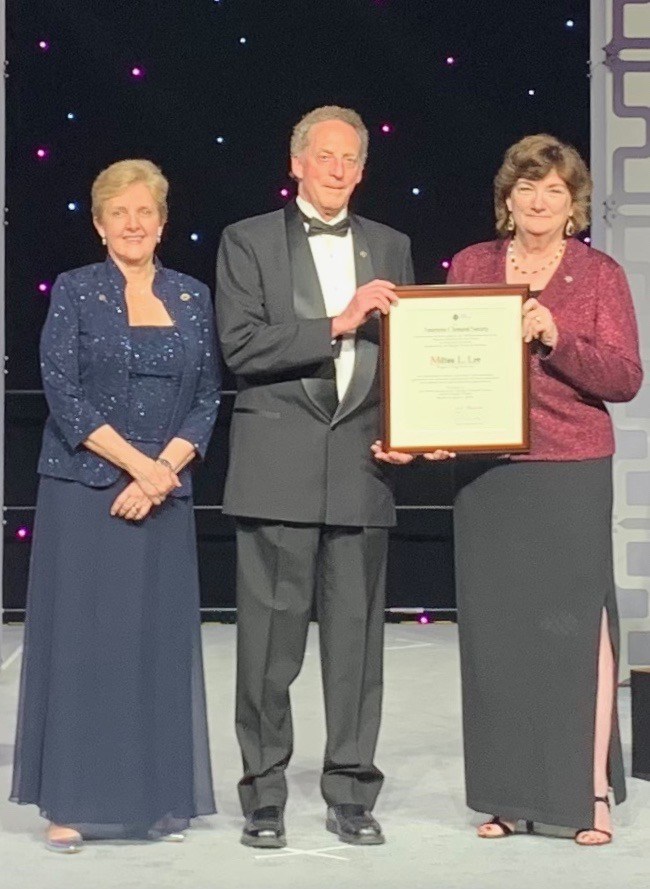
column 539, row 628
column 536, row 597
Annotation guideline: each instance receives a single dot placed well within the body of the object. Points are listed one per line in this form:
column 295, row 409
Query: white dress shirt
column 334, row 261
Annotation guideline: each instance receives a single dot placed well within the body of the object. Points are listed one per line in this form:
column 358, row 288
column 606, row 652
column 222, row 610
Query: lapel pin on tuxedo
column 363, row 254
column 185, row 297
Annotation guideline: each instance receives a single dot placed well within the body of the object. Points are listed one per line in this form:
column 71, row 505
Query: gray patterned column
column 2, row 283
column 620, row 162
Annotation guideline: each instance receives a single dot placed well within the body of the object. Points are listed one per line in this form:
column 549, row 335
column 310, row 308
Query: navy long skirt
column 112, row 730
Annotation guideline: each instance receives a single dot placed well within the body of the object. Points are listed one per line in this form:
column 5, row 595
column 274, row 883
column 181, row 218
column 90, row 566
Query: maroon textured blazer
column 597, row 355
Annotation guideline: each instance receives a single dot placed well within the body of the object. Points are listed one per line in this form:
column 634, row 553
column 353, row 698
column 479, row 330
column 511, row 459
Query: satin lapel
column 366, row 350
column 308, row 302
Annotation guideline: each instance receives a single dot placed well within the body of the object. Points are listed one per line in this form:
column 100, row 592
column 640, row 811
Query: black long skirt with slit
column 534, row 572
column 112, row 732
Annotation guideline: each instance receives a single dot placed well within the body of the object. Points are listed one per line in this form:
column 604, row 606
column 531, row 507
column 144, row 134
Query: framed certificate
column 455, row 370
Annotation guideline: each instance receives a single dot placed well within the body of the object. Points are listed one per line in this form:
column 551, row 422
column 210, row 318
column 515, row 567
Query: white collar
column 310, row 211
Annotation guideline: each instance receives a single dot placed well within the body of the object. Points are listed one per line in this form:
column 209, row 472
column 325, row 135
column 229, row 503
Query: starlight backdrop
column 209, row 90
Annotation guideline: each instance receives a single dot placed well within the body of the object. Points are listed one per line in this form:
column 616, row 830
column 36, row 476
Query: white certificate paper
column 455, row 372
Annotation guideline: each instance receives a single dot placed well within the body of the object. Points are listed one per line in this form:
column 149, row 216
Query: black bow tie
column 318, row 227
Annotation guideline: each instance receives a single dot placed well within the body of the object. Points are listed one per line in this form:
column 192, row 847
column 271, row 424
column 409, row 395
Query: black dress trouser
column 280, row 568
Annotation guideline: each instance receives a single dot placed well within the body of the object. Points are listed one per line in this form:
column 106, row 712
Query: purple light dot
column 284, row 192
column 423, row 619
column 44, row 287
column 445, row 263
column 450, row 60
column 44, row 45
column 137, row 72
column 386, row 128
column 22, row 533
column 42, row 154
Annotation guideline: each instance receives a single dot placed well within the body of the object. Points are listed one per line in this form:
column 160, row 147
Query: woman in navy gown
column 112, row 734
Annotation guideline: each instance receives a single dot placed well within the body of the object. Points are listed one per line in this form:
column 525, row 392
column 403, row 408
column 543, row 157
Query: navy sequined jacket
column 85, row 357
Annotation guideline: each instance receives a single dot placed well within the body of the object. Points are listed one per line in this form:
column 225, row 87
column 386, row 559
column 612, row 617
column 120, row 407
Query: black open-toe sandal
column 606, row 833
column 506, row 831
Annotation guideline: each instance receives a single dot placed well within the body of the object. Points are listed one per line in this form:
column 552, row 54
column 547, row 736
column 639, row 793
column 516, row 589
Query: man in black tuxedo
column 299, row 292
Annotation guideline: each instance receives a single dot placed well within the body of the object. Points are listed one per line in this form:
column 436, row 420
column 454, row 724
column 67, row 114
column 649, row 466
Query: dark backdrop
column 216, row 114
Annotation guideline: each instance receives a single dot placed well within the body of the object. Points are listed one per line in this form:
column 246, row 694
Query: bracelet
column 165, row 463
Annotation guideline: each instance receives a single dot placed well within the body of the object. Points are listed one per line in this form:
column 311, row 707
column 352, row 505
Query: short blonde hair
column 533, row 158
column 300, row 135
column 114, row 179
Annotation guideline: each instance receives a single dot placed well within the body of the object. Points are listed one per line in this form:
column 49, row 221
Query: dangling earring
column 510, row 224
column 104, row 241
column 569, row 228
column 159, row 237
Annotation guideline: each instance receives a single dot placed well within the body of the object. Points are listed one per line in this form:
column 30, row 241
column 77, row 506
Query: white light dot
column 73, row 205
column 71, row 115
column 220, row 140
column 242, row 40
column 445, row 263
column 531, row 92
column 587, row 240
column 415, row 191
column 194, row 237
column 570, row 23
column 450, row 60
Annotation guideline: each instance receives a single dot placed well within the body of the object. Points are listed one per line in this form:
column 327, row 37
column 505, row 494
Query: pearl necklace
column 542, row 268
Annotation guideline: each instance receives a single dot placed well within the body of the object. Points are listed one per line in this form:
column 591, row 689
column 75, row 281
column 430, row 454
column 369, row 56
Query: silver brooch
column 568, row 278
column 185, row 297
column 102, row 298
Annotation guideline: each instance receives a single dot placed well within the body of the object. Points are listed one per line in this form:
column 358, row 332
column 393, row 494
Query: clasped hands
column 152, row 483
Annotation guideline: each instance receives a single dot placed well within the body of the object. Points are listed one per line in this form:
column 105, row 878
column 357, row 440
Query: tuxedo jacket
column 296, row 453
column 85, row 362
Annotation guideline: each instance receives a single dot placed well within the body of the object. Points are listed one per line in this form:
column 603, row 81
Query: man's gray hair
column 300, row 135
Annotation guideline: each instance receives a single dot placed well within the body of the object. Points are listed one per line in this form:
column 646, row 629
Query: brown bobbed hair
column 533, row 158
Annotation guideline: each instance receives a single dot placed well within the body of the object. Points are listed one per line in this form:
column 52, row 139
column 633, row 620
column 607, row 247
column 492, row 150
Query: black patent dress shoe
column 355, row 825
column 264, row 829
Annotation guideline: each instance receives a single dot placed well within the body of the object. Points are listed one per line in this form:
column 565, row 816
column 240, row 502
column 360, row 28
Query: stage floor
column 430, row 834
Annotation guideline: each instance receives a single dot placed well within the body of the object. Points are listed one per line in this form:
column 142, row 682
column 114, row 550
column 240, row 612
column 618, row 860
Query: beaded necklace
column 542, row 268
